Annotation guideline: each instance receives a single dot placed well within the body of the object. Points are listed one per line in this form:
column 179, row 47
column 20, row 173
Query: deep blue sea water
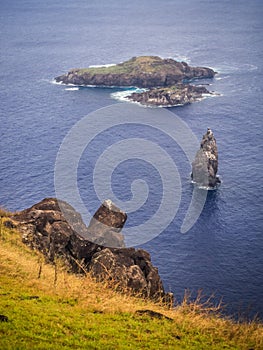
column 222, row 253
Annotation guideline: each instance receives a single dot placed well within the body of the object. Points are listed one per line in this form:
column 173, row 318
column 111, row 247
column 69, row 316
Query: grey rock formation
column 127, row 268
column 45, row 229
column 106, row 225
column 205, row 164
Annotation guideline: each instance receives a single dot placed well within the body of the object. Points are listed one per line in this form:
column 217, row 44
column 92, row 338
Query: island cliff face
column 44, row 228
column 205, row 164
column 167, row 79
column 142, row 72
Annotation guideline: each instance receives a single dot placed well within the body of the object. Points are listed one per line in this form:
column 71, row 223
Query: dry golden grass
column 4, row 213
column 27, row 269
column 55, row 280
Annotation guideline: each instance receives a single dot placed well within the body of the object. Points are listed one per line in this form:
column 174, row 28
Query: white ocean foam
column 72, row 89
column 212, row 94
column 207, row 188
column 220, row 77
column 178, row 58
column 182, row 58
column 103, row 65
column 53, row 81
column 123, row 95
column 144, row 105
column 110, row 86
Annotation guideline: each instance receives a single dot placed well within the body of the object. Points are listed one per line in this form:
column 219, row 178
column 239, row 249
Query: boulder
column 106, row 224
column 205, row 164
column 45, row 229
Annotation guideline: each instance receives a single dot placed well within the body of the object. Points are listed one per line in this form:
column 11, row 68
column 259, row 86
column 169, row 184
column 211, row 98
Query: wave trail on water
column 228, row 69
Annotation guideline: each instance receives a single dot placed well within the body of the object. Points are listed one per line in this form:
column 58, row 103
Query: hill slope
column 47, row 308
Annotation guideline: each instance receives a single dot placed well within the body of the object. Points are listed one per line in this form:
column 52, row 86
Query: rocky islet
column 178, row 95
column 167, row 80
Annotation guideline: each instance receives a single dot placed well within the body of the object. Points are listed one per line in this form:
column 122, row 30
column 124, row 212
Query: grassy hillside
column 48, row 308
column 146, row 64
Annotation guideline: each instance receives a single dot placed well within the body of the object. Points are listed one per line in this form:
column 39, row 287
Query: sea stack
column 205, row 164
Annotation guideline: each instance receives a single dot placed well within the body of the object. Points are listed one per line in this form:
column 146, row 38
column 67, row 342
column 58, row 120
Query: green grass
column 64, row 311
column 146, row 64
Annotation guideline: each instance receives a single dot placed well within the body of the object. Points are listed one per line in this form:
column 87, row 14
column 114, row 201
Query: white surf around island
column 125, row 91
column 207, row 188
column 103, row 65
column 53, row 81
column 75, row 88
column 124, row 94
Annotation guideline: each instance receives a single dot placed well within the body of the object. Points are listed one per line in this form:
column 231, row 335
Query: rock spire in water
column 205, row 164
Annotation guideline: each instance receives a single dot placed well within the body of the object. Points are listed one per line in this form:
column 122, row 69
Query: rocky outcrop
column 44, row 228
column 180, row 94
column 142, row 72
column 106, row 225
column 205, row 164
column 128, row 269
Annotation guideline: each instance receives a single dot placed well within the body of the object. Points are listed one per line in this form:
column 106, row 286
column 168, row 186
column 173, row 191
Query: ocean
column 221, row 254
